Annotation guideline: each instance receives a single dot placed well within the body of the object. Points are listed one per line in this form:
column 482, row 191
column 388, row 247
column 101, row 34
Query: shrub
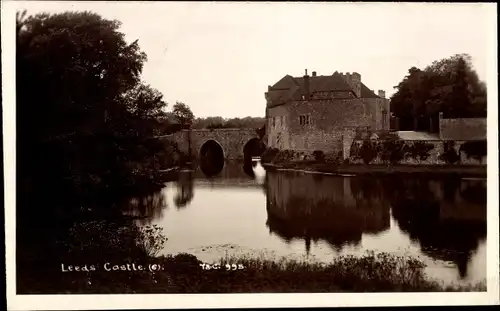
column 420, row 150
column 319, row 155
column 269, row 155
column 449, row 155
column 474, row 149
column 368, row 151
column 393, row 151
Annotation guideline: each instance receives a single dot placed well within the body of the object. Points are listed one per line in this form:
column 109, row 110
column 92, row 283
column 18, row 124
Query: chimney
column 314, row 74
column 381, row 93
column 268, row 88
column 306, row 85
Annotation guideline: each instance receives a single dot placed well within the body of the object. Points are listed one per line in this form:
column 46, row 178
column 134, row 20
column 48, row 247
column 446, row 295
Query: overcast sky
column 219, row 58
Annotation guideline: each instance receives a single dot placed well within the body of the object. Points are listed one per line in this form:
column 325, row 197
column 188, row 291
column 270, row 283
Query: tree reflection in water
column 446, row 217
column 441, row 216
column 185, row 190
column 147, row 207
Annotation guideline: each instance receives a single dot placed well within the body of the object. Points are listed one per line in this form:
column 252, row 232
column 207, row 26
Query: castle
column 322, row 112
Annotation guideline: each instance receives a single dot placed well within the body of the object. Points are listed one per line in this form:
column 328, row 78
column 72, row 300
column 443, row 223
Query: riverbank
column 184, row 273
column 378, row 169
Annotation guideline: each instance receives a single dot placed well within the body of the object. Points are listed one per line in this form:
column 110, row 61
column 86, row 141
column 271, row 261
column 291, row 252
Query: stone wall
column 232, row 141
column 277, row 129
column 428, row 152
column 328, row 122
column 462, row 129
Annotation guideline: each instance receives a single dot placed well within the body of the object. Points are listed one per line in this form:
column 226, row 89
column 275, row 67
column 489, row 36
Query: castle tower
column 354, row 81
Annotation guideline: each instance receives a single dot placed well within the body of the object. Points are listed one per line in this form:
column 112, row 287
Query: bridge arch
column 212, row 157
column 254, row 147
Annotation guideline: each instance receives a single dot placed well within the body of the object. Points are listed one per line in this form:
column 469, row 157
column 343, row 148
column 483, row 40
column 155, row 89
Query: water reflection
column 146, row 207
column 248, row 169
column 232, row 170
column 441, row 221
column 185, row 190
column 447, row 218
column 442, row 216
column 336, row 210
column 210, row 170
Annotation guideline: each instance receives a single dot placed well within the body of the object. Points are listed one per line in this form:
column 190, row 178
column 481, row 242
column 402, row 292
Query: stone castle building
column 322, row 112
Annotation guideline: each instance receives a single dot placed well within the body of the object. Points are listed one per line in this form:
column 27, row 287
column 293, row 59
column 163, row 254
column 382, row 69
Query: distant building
column 320, row 112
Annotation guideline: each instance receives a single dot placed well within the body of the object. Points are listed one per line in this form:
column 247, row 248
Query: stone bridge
column 232, row 143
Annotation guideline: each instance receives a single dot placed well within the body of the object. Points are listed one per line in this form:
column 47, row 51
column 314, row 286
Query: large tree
column 84, row 118
column 450, row 86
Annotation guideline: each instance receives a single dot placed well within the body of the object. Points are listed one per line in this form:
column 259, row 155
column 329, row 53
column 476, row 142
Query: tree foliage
column 220, row 122
column 84, row 118
column 450, row 86
column 183, row 114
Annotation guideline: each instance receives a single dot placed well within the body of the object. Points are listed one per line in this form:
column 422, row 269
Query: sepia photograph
column 154, row 149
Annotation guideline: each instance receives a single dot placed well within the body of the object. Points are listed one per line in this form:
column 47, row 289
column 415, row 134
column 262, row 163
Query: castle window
column 274, row 121
column 304, row 119
column 303, row 97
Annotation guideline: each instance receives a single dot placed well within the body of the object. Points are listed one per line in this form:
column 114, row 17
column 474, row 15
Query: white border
column 67, row 302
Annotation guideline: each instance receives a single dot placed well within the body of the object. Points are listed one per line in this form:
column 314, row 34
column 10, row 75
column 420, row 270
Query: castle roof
column 289, row 87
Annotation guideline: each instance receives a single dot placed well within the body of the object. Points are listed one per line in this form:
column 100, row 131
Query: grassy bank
column 183, row 274
column 378, row 169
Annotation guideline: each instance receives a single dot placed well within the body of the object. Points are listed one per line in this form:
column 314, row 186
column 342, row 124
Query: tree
column 408, row 102
column 450, row 85
column 84, row 119
column 183, row 114
column 146, row 108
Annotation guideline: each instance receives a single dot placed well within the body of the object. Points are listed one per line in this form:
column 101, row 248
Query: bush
column 449, row 155
column 319, row 155
column 334, row 158
column 269, row 155
column 420, row 150
column 368, row 151
column 475, row 149
column 394, row 151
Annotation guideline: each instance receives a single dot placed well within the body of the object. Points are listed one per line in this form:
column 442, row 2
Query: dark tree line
column 450, row 86
column 182, row 118
column 220, row 122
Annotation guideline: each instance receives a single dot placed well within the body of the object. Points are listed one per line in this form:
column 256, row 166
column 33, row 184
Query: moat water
column 318, row 217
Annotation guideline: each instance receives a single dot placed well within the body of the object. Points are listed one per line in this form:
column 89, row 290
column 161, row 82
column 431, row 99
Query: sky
column 219, row 57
